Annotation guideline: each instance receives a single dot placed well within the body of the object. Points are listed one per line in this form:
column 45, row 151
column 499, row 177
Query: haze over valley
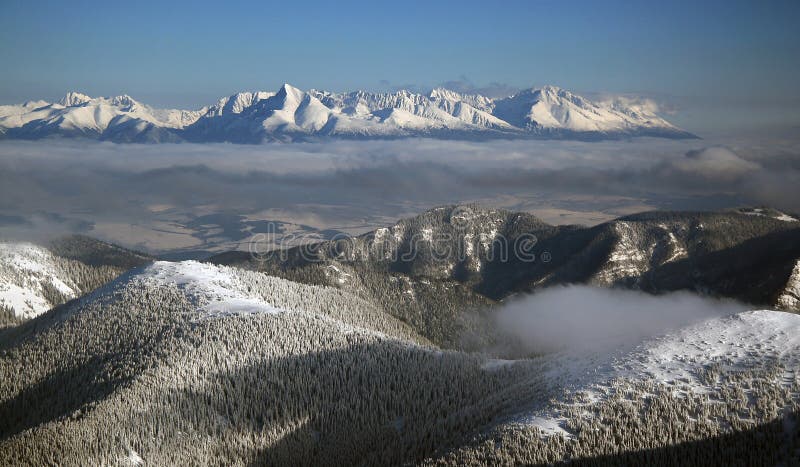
column 191, row 199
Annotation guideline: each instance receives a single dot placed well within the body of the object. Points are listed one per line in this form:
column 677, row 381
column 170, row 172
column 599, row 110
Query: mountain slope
column 120, row 119
column 497, row 253
column 292, row 114
column 551, row 109
column 683, row 398
column 189, row 363
column 162, row 339
column 34, row 279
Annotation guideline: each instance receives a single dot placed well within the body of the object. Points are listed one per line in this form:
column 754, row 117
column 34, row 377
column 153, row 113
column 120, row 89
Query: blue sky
column 702, row 59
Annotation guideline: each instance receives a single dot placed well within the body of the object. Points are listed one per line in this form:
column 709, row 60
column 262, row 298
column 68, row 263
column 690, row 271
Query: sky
column 714, row 64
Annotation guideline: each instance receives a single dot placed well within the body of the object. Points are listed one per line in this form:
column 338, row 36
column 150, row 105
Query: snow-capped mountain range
column 291, row 114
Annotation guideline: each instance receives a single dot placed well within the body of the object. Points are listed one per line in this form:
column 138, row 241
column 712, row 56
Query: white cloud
column 589, row 318
column 715, row 161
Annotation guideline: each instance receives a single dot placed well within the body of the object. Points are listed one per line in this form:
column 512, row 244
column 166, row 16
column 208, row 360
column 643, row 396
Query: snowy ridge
column 293, row 114
column 119, row 118
column 677, row 360
column 26, row 270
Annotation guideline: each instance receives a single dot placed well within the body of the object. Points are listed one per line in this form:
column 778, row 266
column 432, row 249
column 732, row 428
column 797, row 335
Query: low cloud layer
column 716, row 163
column 637, row 102
column 585, row 318
column 74, row 184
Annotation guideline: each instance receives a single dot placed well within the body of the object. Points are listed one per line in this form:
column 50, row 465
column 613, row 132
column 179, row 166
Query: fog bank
column 589, row 318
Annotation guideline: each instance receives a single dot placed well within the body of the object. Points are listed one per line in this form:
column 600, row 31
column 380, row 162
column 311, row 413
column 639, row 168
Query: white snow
column 398, row 231
column 487, row 238
column 24, row 302
column 427, row 234
column 738, row 339
column 773, row 214
column 217, row 292
column 78, row 114
column 676, row 250
column 469, row 246
column 133, row 458
column 341, row 276
column 381, row 235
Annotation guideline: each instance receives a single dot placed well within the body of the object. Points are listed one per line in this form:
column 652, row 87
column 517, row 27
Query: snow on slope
column 221, row 292
column 25, row 271
column 677, row 360
column 551, row 108
column 766, row 212
column 626, row 259
column 215, row 290
column 291, row 113
column 789, row 299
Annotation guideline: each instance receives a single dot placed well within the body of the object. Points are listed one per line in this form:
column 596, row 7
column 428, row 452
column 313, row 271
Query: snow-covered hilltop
column 292, row 114
column 692, row 360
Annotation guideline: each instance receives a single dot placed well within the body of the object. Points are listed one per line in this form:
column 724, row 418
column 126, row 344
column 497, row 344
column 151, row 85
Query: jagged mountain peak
column 123, row 100
column 444, row 93
column 73, row 98
column 547, row 90
column 237, row 102
column 290, row 95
